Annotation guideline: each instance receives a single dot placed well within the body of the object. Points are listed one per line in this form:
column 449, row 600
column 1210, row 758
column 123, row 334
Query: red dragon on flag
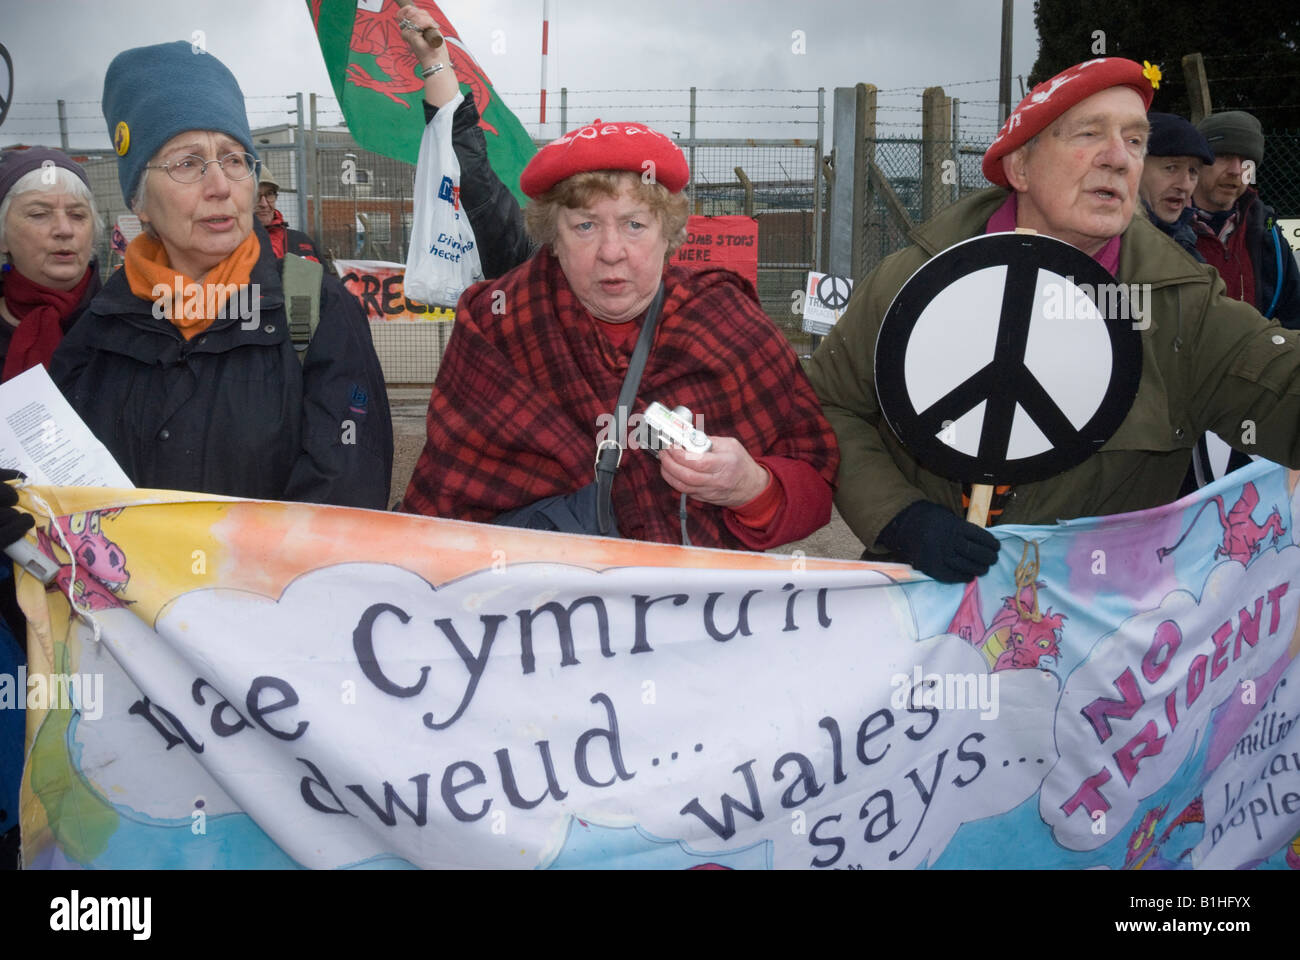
column 366, row 55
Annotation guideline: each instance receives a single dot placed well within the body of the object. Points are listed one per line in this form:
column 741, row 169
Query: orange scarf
column 198, row 305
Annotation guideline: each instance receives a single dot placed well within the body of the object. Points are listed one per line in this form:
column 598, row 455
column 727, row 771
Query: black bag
column 567, row 513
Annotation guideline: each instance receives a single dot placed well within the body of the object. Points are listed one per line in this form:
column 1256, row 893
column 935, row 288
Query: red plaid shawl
column 515, row 410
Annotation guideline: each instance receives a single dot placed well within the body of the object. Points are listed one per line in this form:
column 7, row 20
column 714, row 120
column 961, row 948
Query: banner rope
column 83, row 612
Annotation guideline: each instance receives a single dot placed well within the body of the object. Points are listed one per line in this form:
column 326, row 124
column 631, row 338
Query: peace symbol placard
column 834, row 291
column 1008, row 358
column 6, row 83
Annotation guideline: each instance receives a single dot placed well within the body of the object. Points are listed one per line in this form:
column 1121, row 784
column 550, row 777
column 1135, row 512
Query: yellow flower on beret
column 1152, row 72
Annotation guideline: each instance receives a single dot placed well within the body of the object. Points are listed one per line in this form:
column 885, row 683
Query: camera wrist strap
column 610, row 452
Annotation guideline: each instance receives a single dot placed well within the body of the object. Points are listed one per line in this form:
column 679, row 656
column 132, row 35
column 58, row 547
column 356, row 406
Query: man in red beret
column 1067, row 163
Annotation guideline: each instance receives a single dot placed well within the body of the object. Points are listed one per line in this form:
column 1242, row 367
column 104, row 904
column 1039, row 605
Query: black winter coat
column 233, row 411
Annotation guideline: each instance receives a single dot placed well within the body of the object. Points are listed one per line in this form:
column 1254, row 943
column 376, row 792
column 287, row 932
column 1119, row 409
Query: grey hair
column 65, row 181
column 137, row 201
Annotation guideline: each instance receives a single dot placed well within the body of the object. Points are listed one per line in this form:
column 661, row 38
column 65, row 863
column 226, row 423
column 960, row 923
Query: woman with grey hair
column 189, row 366
column 48, row 226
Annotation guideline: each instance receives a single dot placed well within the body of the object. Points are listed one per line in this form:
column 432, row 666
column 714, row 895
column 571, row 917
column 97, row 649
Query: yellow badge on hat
column 122, row 138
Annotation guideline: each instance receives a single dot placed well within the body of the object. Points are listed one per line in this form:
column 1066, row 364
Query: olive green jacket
column 1208, row 363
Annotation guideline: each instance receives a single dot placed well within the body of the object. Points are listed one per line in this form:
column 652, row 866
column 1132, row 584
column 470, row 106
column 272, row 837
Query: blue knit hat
column 1172, row 136
column 153, row 93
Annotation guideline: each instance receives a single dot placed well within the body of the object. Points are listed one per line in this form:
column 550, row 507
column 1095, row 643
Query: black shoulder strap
column 610, row 452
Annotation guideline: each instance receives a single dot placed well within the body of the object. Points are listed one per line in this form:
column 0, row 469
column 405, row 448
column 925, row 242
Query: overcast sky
column 61, row 48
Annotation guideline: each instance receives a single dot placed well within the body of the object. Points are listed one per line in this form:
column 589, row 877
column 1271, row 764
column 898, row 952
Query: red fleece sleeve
column 802, row 505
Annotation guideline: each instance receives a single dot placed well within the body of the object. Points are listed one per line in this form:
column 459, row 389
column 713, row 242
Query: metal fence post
column 955, row 193
column 864, row 155
column 315, row 179
column 818, row 199
column 692, row 154
column 300, row 161
column 564, row 110
column 63, row 126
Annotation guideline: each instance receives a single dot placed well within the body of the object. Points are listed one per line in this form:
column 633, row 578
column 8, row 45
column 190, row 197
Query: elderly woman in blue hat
column 186, row 365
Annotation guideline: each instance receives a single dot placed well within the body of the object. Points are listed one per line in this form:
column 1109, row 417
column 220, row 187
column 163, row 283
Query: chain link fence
column 1279, row 174
column 358, row 205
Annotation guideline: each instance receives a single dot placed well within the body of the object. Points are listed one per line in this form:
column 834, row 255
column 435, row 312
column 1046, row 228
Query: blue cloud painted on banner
column 589, row 845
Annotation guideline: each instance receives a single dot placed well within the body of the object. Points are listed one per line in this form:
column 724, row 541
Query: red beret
column 1051, row 98
column 606, row 146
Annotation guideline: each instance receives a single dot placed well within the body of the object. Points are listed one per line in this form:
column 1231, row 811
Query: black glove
column 940, row 544
column 13, row 524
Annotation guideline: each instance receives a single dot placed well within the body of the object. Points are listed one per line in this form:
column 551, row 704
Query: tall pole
column 300, row 162
column 317, row 188
column 356, row 238
column 546, row 31
column 1004, row 73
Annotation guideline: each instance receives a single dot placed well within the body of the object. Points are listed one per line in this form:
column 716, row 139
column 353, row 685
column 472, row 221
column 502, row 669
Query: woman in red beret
column 527, row 392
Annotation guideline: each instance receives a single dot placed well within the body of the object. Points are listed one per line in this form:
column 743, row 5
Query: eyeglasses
column 190, row 169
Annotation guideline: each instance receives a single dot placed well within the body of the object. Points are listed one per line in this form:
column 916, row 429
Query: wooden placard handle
column 431, row 36
column 981, row 495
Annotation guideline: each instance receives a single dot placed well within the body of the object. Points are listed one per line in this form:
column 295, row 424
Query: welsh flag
column 377, row 82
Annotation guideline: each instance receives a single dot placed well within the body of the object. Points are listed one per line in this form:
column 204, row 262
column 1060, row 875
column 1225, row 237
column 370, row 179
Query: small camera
column 668, row 427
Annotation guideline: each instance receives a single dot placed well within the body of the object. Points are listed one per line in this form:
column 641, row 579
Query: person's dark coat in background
column 285, row 240
column 1182, row 231
column 1256, row 261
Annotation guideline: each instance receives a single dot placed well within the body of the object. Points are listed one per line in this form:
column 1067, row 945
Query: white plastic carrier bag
column 443, row 259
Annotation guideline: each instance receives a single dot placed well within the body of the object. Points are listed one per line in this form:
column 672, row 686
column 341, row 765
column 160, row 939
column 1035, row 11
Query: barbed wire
column 1262, row 76
column 1231, row 56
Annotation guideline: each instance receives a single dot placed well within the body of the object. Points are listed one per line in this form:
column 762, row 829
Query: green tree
column 1251, row 50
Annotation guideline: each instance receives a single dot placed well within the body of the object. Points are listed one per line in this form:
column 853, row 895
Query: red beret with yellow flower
column 1053, row 97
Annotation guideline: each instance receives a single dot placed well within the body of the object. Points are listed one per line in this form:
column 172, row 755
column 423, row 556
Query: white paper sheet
column 41, row 435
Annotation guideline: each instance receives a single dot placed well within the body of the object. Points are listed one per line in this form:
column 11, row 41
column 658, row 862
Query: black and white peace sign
column 834, row 291
column 1008, row 358
column 6, row 83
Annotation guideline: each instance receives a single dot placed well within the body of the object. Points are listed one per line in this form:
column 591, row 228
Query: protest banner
column 290, row 684
column 729, row 242
column 378, row 286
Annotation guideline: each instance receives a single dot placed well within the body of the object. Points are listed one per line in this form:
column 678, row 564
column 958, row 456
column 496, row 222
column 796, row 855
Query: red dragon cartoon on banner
column 1020, row 635
column 1242, row 535
column 101, row 571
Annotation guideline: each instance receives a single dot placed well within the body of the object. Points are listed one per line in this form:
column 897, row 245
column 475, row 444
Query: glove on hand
column 941, row 544
column 13, row 524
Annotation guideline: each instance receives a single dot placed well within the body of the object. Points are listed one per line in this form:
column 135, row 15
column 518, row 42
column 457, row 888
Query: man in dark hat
column 277, row 229
column 1067, row 163
column 1176, row 151
column 1236, row 231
